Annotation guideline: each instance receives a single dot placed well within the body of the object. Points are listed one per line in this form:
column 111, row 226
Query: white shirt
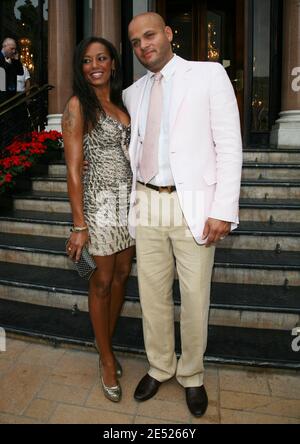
column 164, row 176
column 22, row 79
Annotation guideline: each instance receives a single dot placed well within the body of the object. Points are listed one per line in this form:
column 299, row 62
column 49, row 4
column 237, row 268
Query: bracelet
column 78, row 229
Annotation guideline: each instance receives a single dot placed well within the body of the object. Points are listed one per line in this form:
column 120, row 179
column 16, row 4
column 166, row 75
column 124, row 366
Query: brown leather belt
column 167, row 189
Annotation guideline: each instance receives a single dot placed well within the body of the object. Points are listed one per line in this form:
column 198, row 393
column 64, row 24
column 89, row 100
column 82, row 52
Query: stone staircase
column 255, row 301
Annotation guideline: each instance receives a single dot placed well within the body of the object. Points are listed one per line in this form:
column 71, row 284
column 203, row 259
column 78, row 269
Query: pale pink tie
column 149, row 160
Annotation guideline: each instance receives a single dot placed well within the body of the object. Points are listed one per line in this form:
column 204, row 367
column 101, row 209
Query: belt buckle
column 167, row 189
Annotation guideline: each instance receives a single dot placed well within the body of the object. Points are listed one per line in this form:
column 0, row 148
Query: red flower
column 6, row 163
column 23, row 152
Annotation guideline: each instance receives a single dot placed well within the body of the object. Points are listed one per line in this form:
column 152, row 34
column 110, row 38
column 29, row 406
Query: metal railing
column 23, row 113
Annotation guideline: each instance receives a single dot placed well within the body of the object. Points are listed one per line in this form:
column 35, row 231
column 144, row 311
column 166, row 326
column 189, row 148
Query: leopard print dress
column 107, row 187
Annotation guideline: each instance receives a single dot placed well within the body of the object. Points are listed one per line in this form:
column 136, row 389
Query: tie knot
column 158, row 76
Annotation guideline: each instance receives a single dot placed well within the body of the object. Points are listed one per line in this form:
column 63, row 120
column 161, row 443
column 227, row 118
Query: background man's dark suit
column 12, row 70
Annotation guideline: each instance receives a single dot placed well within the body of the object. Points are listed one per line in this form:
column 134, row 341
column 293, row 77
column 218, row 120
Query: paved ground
column 42, row 384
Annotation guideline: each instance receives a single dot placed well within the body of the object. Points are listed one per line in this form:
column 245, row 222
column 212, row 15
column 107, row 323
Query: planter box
column 39, row 169
column 23, row 182
column 51, row 156
column 6, row 202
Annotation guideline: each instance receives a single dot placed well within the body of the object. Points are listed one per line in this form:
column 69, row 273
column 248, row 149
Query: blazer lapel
column 180, row 87
column 135, row 116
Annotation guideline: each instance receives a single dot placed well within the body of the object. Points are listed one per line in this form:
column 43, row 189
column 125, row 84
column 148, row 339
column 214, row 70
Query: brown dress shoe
column 197, row 401
column 147, row 388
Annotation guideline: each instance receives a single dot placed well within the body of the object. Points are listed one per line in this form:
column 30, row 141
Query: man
column 12, row 68
column 186, row 154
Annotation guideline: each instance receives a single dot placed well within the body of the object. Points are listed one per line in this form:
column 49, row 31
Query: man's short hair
column 7, row 40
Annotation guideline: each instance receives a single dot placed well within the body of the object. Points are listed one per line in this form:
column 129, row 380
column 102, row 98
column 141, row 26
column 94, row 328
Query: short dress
column 107, row 187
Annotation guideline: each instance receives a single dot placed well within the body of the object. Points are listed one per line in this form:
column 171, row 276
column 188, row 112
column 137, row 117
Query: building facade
column 257, row 41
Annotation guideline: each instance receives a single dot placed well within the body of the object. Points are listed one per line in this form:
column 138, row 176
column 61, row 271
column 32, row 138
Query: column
column 286, row 131
column 62, row 41
column 107, row 21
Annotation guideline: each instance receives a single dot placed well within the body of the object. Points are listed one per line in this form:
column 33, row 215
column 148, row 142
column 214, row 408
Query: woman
column 96, row 128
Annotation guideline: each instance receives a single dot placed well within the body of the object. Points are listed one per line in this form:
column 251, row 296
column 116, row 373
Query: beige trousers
column 163, row 240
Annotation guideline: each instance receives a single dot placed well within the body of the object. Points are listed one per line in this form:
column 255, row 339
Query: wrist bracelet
column 78, row 229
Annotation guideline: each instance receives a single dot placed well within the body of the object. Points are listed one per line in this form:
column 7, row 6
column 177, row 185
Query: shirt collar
column 168, row 70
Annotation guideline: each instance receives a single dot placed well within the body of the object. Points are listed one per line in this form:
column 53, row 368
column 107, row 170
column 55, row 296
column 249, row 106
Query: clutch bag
column 86, row 264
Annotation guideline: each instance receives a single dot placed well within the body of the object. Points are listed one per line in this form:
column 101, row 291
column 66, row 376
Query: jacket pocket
column 210, row 177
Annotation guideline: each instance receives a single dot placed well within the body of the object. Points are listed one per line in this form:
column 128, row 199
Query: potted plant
column 22, row 154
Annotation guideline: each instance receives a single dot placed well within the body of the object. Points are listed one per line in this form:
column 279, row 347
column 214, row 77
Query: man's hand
column 215, row 230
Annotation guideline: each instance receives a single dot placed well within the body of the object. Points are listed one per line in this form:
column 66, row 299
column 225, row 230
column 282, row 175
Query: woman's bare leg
column 99, row 308
column 121, row 273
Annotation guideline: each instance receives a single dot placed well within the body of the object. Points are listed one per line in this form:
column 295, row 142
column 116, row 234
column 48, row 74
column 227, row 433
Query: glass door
column 210, row 30
column 246, row 37
column 264, row 69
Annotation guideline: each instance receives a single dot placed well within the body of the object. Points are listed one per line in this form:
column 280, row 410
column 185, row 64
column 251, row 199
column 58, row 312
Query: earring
column 113, row 73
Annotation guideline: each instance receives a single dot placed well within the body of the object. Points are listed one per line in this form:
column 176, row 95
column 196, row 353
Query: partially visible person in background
column 23, row 82
column 12, row 68
column 23, row 112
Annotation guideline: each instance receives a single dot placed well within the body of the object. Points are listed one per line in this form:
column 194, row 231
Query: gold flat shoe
column 114, row 394
column 119, row 370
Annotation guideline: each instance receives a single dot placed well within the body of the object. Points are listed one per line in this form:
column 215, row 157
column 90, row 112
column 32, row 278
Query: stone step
column 52, row 184
column 251, row 170
column 231, row 266
column 42, row 201
column 57, row 169
column 232, row 345
column 273, row 189
column 264, row 236
column 281, row 210
column 258, row 171
column 271, row 155
column 268, row 298
column 257, row 267
column 249, row 235
column 250, row 306
column 239, row 317
column 266, row 210
column 270, row 189
column 36, row 223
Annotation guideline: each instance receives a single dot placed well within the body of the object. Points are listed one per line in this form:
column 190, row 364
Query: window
column 180, row 18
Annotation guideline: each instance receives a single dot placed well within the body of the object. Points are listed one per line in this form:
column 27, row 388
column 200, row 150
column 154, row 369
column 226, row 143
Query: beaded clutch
column 86, row 264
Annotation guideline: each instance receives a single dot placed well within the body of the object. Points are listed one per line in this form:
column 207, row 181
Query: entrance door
column 210, row 30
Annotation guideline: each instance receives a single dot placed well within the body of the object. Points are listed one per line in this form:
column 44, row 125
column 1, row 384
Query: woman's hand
column 85, row 168
column 75, row 245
